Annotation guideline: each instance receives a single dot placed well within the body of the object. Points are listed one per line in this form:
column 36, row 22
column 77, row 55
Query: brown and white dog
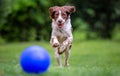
column 61, row 37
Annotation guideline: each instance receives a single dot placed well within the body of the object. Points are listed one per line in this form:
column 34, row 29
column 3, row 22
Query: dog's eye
column 56, row 14
column 64, row 15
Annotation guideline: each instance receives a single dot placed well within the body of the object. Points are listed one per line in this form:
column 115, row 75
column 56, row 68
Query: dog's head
column 61, row 14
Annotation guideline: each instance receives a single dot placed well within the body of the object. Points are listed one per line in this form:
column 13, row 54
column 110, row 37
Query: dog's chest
column 62, row 35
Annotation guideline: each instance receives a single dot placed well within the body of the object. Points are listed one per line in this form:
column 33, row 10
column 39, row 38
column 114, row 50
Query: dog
column 61, row 36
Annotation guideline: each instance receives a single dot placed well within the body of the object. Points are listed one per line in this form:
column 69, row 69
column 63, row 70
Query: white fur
column 60, row 18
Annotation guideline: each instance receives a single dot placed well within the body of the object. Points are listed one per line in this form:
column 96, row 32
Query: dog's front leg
column 54, row 42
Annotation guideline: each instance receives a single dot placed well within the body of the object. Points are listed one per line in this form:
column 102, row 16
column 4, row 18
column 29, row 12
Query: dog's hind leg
column 67, row 54
column 57, row 55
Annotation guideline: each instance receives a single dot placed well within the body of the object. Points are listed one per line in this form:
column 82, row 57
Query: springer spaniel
column 61, row 37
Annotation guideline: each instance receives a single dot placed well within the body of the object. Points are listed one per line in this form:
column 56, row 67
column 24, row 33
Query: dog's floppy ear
column 70, row 9
column 52, row 11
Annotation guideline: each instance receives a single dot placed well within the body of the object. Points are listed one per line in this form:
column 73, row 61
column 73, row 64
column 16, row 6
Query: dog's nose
column 60, row 21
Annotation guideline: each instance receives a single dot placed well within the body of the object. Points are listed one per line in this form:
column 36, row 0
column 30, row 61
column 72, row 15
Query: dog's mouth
column 60, row 25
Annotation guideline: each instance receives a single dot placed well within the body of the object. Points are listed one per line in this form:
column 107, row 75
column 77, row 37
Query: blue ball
column 35, row 59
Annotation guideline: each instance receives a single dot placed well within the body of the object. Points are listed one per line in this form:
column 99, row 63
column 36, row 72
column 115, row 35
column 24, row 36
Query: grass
column 88, row 58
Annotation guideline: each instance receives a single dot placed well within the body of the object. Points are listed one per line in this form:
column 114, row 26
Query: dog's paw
column 65, row 43
column 55, row 44
column 66, row 65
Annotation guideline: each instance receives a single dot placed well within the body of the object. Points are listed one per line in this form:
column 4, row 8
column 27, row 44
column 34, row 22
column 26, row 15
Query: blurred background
column 28, row 20
column 96, row 32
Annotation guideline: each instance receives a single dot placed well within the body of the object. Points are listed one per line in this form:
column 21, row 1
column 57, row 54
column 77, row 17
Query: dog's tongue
column 60, row 25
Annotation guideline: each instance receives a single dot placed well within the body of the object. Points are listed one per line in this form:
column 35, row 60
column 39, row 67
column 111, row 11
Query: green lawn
column 88, row 58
